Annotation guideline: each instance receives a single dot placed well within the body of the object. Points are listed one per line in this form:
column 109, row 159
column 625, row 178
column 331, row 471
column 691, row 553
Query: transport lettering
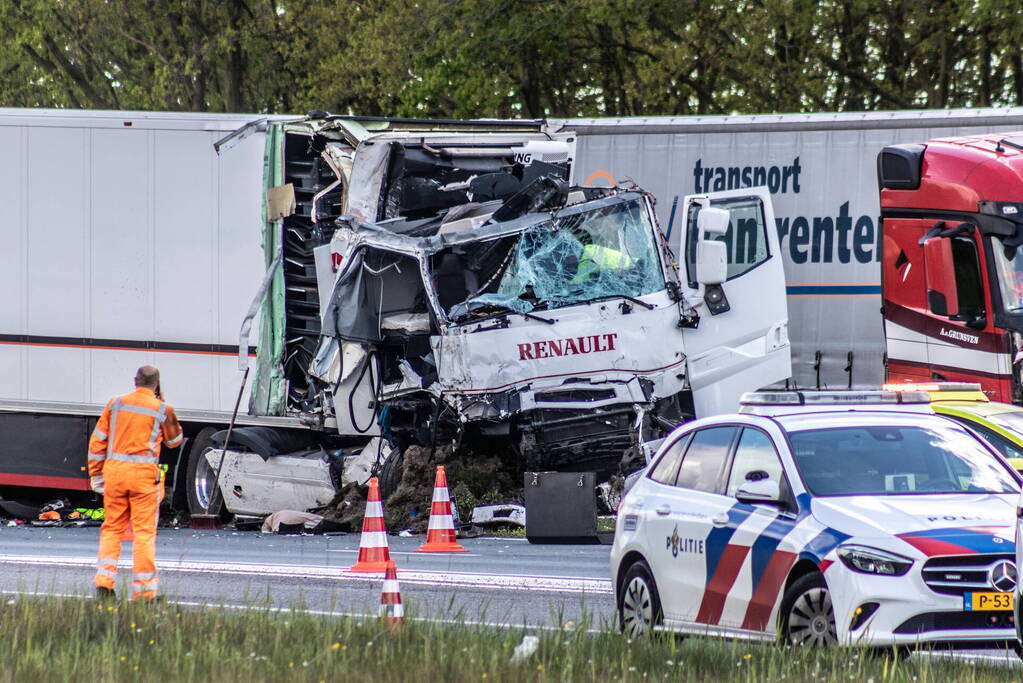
column 573, row 346
column 830, row 239
column 781, row 179
column 839, row 238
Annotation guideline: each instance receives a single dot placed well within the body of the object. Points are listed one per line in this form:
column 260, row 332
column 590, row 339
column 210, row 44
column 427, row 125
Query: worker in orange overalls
column 124, row 457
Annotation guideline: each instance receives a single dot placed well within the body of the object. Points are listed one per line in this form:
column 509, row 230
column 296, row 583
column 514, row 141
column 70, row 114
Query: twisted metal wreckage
column 442, row 282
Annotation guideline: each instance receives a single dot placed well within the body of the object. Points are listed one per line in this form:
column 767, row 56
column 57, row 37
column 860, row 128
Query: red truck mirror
column 939, row 271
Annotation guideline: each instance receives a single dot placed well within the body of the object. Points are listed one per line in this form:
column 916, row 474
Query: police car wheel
column 808, row 617
column 639, row 605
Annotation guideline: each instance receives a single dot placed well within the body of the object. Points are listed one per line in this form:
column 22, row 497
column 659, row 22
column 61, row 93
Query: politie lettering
column 720, row 178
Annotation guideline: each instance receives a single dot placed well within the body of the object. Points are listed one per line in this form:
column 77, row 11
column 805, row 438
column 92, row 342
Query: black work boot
column 105, row 593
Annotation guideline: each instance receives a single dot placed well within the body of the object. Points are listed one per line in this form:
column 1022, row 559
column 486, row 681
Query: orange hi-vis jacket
column 131, row 429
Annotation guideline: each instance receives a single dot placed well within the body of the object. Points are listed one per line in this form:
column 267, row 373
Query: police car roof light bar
column 808, row 398
column 932, row 386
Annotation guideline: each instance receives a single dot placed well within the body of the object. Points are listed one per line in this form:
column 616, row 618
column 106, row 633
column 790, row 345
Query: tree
column 511, row 58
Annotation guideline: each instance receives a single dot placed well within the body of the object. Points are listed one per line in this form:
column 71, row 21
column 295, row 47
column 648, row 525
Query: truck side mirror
column 712, row 221
column 940, row 276
column 711, row 254
column 711, row 262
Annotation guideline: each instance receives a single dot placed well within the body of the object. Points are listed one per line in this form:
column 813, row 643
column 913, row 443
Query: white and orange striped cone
column 390, row 598
column 440, row 535
column 373, row 553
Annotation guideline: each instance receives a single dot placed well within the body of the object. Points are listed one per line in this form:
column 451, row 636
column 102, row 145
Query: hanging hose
column 378, row 381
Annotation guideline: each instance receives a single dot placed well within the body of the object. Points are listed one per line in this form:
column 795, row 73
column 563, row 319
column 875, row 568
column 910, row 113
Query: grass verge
column 82, row 640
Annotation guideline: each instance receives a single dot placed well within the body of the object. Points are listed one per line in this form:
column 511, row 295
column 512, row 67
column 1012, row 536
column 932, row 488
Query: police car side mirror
column 760, row 491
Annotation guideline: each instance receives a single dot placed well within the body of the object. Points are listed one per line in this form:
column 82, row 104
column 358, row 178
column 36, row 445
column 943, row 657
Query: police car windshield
column 578, row 257
column 896, row 460
column 1013, row 421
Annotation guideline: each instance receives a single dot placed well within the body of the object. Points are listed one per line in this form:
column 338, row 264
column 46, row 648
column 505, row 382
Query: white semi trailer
column 130, row 239
column 821, row 170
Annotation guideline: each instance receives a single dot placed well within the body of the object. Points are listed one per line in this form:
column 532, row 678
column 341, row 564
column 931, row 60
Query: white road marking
column 315, row 612
column 525, row 582
column 406, row 553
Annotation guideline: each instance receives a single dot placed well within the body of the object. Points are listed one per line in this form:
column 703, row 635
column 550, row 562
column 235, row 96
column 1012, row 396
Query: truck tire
column 199, row 476
column 21, row 508
column 390, row 474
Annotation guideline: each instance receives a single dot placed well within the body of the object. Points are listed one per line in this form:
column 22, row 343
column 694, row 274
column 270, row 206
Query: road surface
column 500, row 580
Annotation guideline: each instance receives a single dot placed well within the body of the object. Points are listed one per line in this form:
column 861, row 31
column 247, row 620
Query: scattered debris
column 525, row 649
column 289, row 519
column 506, row 514
column 59, row 513
column 476, row 478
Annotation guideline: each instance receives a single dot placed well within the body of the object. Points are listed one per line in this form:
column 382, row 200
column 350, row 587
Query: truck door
column 732, row 275
column 937, row 314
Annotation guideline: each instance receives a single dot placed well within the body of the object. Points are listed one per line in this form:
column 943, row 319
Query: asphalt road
column 500, row 581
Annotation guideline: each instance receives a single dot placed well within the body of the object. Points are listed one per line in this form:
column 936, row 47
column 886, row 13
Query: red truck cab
column 951, row 265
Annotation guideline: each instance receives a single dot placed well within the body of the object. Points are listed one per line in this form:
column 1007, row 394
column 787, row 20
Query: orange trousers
column 131, row 494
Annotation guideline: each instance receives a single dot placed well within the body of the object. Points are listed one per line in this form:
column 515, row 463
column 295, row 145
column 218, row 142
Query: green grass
column 78, row 639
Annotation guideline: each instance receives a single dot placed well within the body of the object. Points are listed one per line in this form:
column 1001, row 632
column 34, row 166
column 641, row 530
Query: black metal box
column 561, row 507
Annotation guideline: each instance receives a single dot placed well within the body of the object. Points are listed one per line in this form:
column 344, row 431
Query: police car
column 825, row 518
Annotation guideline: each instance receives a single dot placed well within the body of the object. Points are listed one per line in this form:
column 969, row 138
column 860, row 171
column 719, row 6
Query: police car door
column 680, row 522
column 745, row 569
column 732, row 277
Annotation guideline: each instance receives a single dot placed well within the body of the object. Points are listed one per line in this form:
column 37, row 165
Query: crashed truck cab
column 456, row 288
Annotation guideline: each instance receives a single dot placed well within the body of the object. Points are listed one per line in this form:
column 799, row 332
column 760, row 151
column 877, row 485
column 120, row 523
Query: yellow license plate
column 987, row 602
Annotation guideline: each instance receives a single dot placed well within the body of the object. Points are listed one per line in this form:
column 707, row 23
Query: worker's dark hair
column 147, row 376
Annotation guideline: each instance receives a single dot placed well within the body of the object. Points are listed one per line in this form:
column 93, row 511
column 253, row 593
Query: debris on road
column 499, row 515
column 290, row 520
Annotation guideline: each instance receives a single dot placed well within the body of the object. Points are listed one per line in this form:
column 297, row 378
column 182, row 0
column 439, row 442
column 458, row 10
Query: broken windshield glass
column 574, row 258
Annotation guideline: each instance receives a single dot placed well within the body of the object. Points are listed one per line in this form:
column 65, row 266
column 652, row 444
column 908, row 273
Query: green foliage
column 511, row 58
column 80, row 640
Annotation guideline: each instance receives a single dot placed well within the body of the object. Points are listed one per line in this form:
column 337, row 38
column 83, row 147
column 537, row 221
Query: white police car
column 827, row 518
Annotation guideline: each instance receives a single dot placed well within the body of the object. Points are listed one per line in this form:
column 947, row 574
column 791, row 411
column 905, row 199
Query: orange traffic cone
column 373, row 553
column 440, row 535
column 390, row 598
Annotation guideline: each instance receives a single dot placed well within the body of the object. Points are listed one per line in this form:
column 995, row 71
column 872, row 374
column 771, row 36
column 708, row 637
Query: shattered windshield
column 575, row 258
column 1009, row 264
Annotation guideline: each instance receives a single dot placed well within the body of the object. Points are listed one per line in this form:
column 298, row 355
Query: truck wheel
column 806, row 614
column 639, row 604
column 390, row 474
column 200, row 475
column 22, row 508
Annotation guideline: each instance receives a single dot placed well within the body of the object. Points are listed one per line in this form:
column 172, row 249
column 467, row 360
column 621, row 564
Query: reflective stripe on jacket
column 131, row 429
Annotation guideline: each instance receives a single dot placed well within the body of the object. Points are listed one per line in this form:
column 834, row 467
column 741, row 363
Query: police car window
column 705, row 459
column 897, row 460
column 746, row 236
column 755, row 453
column 996, row 440
column 667, row 467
